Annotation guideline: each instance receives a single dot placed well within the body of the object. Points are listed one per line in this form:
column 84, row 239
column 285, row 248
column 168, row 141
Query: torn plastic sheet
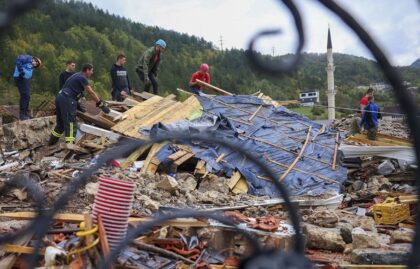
column 276, row 135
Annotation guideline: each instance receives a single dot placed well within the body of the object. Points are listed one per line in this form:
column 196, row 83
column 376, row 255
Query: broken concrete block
column 364, row 222
column 189, row 184
column 386, row 168
column 345, row 231
column 402, row 235
column 324, row 238
column 214, row 183
column 168, row 183
column 396, row 254
column 363, row 239
column 323, row 218
column 149, row 203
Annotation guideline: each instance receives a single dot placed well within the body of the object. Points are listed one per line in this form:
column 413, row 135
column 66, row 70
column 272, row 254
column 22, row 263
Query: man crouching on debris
column 203, row 75
column 370, row 117
column 66, row 104
column 148, row 67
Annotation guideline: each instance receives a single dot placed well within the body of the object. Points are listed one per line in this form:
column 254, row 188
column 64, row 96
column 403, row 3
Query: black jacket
column 119, row 77
column 63, row 77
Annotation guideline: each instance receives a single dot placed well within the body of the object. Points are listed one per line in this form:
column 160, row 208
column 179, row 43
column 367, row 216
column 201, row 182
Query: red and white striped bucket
column 113, row 202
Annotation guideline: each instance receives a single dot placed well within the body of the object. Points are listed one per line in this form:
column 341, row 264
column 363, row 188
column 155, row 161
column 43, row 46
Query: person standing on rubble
column 22, row 74
column 364, row 102
column 370, row 118
column 121, row 87
column 148, row 66
column 66, row 103
column 64, row 76
column 203, row 75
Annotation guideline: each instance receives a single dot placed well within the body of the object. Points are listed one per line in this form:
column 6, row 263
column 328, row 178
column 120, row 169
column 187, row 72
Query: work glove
column 103, row 106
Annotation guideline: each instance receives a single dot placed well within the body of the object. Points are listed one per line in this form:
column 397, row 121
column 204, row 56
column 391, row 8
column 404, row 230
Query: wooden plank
column 99, row 132
column 381, row 140
column 155, row 148
column 130, row 102
column 143, row 95
column 183, row 159
column 302, row 150
column 134, row 156
column 102, row 236
column 255, row 113
column 77, row 218
column 175, row 156
column 213, row 88
column 236, row 176
column 9, row 248
column 334, row 162
column 200, row 168
column 95, row 119
column 9, row 261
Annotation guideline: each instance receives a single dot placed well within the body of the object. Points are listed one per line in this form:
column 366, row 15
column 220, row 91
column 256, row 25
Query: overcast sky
column 395, row 24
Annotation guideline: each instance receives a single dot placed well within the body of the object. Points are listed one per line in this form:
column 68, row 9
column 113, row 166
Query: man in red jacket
column 203, row 75
column 364, row 102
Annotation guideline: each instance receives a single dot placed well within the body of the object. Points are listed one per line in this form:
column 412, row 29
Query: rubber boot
column 53, row 140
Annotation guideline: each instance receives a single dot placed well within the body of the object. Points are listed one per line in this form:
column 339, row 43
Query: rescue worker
column 148, row 66
column 66, row 74
column 364, row 102
column 66, row 102
column 22, row 74
column 121, row 87
column 203, row 75
column 370, row 118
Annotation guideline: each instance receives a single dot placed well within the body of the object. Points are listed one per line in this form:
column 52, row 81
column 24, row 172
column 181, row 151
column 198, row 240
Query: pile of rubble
column 367, row 217
column 396, row 127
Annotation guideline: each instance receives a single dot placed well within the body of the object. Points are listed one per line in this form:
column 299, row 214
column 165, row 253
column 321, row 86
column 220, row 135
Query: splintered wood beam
column 134, row 156
column 149, row 159
column 255, row 113
column 334, row 162
column 184, row 158
column 213, row 88
column 300, row 170
column 302, row 150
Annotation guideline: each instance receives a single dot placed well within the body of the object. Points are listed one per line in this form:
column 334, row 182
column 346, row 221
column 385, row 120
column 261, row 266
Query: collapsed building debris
column 356, row 209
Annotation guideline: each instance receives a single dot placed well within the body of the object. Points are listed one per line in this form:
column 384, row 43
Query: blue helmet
column 161, row 43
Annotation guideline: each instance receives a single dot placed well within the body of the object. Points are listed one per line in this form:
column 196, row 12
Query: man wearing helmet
column 148, row 66
column 22, row 74
column 203, row 75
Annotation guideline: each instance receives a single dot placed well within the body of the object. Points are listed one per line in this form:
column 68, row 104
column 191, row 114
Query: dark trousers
column 195, row 90
column 371, row 133
column 153, row 82
column 25, row 96
column 116, row 95
column 66, row 118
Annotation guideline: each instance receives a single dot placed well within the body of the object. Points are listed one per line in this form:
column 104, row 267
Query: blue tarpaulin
column 274, row 134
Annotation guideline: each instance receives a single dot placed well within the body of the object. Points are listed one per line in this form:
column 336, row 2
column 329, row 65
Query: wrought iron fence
column 260, row 257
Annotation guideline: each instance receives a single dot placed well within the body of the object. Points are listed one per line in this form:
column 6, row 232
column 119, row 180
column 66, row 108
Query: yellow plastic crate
column 391, row 211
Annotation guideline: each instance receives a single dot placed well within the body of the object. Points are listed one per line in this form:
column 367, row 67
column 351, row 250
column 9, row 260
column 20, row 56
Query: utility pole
column 221, row 43
column 273, row 49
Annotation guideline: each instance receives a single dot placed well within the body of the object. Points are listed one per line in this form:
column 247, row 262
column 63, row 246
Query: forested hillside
column 59, row 31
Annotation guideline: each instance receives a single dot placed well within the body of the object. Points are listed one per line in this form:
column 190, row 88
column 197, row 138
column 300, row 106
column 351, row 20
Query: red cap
column 204, row 68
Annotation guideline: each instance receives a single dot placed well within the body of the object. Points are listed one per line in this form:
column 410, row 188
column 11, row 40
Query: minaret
column 330, row 77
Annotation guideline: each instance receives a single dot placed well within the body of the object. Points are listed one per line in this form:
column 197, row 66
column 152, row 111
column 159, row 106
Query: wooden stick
column 134, row 156
column 255, row 113
column 301, row 171
column 103, row 238
column 8, row 248
column 220, row 158
column 89, row 238
column 302, row 150
column 162, row 251
column 334, row 162
column 213, row 88
column 282, row 148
